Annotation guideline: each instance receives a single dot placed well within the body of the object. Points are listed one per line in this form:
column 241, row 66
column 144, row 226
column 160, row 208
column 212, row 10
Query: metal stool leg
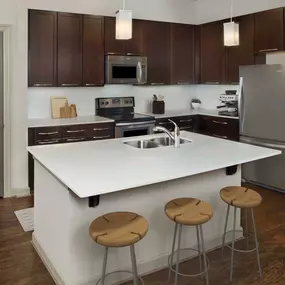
column 134, row 265
column 225, row 230
column 204, row 254
column 104, row 266
column 199, row 249
column 233, row 245
column 246, row 228
column 172, row 253
column 178, row 254
column 256, row 243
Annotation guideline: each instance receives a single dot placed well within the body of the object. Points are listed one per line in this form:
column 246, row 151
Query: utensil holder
column 158, row 107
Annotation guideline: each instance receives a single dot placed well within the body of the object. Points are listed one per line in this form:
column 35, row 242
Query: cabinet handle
column 212, row 82
column 91, row 84
column 75, row 140
column 69, row 84
column 153, row 83
column 183, row 83
column 48, row 142
column 163, row 123
column 42, row 84
column 101, row 129
column 269, row 49
column 221, row 137
column 77, row 131
column 184, row 121
column 185, row 128
column 221, row 123
column 48, row 134
column 102, row 137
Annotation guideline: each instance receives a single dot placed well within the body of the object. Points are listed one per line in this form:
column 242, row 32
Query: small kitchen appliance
column 121, row 110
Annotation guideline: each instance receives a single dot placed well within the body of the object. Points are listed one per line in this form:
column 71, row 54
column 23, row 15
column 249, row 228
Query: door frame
column 6, row 108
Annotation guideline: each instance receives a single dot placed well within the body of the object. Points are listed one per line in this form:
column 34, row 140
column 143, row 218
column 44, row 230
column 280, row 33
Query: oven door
column 124, row 130
column 126, row 70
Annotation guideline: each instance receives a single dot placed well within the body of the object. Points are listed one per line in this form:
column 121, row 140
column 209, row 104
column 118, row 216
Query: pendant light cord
column 124, row 4
column 231, row 10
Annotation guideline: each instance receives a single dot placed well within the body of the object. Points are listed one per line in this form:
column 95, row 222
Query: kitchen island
column 121, row 177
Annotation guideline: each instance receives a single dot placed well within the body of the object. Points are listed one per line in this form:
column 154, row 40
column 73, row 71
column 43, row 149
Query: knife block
column 158, row 107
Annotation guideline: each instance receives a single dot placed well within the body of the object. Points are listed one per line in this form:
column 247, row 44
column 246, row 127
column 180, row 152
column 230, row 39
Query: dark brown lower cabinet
column 65, row 134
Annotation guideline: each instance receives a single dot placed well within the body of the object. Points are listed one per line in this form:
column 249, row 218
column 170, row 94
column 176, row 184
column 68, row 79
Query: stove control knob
column 107, row 103
column 126, row 101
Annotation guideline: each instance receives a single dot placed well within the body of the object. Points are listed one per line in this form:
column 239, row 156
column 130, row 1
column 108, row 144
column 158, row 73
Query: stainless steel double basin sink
column 153, row 143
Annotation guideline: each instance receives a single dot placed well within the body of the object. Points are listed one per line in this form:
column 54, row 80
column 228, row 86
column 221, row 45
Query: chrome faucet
column 174, row 137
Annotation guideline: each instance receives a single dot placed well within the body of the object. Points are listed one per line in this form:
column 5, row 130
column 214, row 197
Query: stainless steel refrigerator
column 262, row 121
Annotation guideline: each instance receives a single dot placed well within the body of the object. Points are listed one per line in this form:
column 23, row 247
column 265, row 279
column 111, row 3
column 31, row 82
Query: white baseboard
column 20, row 192
column 45, row 259
column 145, row 268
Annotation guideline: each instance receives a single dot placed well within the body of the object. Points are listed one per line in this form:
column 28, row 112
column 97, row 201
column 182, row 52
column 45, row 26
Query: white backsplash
column 176, row 97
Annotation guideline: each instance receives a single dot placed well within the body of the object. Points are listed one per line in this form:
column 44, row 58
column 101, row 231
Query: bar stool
column 188, row 212
column 244, row 198
column 119, row 229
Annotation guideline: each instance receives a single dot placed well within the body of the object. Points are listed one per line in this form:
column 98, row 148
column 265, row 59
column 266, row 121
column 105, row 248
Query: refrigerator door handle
column 262, row 144
column 241, row 104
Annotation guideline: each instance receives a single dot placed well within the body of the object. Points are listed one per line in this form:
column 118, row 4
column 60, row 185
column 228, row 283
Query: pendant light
column 231, row 31
column 124, row 24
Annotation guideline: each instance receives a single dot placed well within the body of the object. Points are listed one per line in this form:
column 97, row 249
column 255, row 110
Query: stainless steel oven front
column 134, row 129
column 126, row 69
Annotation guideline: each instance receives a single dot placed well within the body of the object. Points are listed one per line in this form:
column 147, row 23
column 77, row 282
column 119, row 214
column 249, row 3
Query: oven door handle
column 139, row 72
column 150, row 123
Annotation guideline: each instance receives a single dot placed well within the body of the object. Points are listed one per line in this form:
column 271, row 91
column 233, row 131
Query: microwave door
column 124, row 74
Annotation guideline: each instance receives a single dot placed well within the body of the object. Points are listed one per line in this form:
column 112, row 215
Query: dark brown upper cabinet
column 182, row 54
column 70, row 49
column 42, row 48
column 242, row 54
column 134, row 45
column 212, row 54
column 93, row 51
column 268, row 31
column 156, row 46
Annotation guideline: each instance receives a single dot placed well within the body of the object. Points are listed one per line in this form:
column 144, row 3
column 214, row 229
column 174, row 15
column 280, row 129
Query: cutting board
column 56, row 104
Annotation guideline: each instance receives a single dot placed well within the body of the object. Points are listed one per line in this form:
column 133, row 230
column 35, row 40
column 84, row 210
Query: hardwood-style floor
column 20, row 264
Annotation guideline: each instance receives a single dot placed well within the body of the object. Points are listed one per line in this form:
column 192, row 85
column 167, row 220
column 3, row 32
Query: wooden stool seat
column 118, row 229
column 241, row 197
column 189, row 211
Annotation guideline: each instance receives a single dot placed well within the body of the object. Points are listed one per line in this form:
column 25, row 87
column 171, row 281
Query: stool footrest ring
column 188, row 275
column 240, row 250
column 121, row 271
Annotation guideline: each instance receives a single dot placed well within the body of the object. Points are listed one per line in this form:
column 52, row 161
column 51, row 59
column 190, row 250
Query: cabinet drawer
column 75, row 131
column 100, row 131
column 47, row 133
column 74, row 139
column 48, row 141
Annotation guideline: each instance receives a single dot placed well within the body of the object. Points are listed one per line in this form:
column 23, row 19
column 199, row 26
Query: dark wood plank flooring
column 20, row 264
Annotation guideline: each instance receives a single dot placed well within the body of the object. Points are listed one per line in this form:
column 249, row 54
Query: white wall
column 212, row 10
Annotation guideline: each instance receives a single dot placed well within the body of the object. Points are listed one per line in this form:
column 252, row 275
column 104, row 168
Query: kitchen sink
column 166, row 141
column 153, row 143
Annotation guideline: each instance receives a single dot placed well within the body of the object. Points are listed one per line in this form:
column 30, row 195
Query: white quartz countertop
column 49, row 122
column 177, row 113
column 101, row 167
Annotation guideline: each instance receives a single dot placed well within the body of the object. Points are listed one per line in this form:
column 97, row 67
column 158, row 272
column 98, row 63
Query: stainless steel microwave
column 126, row 69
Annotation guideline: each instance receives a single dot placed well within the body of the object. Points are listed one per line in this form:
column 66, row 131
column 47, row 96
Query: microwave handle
column 139, row 67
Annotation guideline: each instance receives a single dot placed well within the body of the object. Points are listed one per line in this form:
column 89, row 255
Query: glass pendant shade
column 124, row 25
column 231, row 34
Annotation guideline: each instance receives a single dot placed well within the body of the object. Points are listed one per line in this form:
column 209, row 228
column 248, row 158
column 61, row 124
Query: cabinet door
column 182, row 54
column 156, row 46
column 93, row 50
column 42, row 48
column 212, row 53
column 113, row 46
column 134, row 45
column 242, row 54
column 269, row 27
column 69, row 49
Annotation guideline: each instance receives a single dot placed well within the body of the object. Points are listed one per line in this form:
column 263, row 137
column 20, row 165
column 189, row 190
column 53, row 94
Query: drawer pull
column 69, row 84
column 90, row 84
column 269, row 49
column 159, row 83
column 76, row 131
column 163, row 123
column 221, row 123
column 102, row 137
column 101, row 129
column 42, row 84
column 212, row 82
column 185, row 128
column 184, row 121
column 48, row 134
column 75, row 140
column 48, row 142
column 183, row 83
column 221, row 137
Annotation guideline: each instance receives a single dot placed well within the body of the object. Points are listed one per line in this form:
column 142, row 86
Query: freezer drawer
column 270, row 171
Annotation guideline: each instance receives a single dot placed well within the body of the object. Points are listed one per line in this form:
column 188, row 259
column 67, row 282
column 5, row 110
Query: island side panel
column 152, row 252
